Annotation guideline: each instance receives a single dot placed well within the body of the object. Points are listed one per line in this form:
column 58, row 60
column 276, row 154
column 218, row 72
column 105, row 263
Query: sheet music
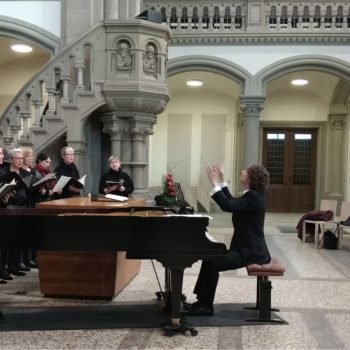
column 116, row 197
column 82, row 180
column 44, row 179
column 63, row 180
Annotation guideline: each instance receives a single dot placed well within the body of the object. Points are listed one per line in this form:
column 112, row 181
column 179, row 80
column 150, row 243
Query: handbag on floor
column 330, row 239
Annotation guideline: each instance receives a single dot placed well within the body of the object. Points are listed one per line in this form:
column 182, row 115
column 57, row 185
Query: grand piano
column 176, row 241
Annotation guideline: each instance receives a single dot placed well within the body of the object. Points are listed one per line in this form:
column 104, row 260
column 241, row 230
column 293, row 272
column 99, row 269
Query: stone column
column 80, row 78
column 113, row 126
column 79, row 154
column 335, row 157
column 37, row 116
column 65, row 88
column 8, row 141
column 121, row 9
column 51, row 100
column 347, row 190
column 252, row 107
column 110, row 9
column 15, row 129
column 25, row 117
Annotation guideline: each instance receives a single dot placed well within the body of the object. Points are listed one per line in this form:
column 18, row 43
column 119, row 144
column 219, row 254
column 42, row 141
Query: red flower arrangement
column 169, row 186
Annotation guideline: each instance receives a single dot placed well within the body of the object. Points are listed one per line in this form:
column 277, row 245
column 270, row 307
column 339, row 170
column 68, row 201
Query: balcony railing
column 201, row 17
column 314, row 17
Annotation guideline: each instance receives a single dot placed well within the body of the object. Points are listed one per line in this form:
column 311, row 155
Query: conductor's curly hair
column 259, row 178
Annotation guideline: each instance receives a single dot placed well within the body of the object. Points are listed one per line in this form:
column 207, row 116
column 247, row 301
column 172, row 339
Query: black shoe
column 31, row 264
column 23, row 267
column 200, row 310
column 188, row 306
column 16, row 272
column 3, row 282
column 6, row 276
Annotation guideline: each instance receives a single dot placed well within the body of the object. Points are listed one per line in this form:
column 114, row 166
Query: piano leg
column 178, row 323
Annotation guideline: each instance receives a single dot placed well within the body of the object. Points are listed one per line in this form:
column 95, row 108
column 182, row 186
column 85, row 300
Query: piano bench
column 263, row 288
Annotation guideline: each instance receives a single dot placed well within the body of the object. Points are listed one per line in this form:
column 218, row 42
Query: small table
column 84, row 273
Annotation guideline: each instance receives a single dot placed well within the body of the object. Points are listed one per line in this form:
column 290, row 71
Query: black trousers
column 4, row 252
column 14, row 259
column 209, row 275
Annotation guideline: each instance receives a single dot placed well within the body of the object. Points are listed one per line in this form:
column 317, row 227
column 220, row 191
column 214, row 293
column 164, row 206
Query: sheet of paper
column 116, row 197
column 63, row 180
column 45, row 178
column 82, row 180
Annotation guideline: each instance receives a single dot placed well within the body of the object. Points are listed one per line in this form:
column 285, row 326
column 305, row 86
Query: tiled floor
column 314, row 297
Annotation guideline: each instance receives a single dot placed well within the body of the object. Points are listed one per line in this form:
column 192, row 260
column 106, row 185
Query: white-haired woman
column 116, row 181
column 68, row 168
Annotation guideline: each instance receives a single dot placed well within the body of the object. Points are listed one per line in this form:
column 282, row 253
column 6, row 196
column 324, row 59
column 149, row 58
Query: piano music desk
column 92, row 274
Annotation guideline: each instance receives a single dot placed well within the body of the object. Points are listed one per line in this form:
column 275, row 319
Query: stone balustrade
column 200, row 21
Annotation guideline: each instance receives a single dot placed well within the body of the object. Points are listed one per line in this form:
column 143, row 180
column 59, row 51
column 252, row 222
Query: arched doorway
column 303, row 137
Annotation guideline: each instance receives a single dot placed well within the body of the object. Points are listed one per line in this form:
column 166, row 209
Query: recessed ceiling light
column 300, row 82
column 194, row 83
column 21, row 48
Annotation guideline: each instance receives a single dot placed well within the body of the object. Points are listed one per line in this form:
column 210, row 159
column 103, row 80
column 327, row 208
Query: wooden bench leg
column 264, row 302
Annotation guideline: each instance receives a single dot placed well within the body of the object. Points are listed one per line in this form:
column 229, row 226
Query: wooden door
column 290, row 157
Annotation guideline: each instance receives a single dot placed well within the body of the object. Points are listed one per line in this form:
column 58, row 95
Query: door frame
column 321, row 127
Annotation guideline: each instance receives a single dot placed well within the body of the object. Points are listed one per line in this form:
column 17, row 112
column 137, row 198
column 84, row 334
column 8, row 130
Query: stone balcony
column 199, row 22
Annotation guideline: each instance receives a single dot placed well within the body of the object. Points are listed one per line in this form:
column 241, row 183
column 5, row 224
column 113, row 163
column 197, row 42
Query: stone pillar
column 79, row 154
column 252, row 107
column 37, row 116
column 335, row 157
column 65, row 88
column 121, row 9
column 8, row 141
column 80, row 77
column 113, row 126
column 110, row 9
column 25, row 117
column 256, row 21
column 129, row 142
column 51, row 100
column 347, row 190
column 15, row 129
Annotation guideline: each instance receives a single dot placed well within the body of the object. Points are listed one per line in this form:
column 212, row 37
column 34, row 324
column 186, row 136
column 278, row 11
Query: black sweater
column 24, row 197
column 113, row 175
column 69, row 170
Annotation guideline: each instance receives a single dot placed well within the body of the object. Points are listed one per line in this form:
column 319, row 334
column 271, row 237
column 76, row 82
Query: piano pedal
column 163, row 295
column 183, row 328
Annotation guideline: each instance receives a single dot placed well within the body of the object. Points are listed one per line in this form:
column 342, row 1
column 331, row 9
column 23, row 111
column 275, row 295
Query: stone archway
column 335, row 142
column 22, row 30
column 321, row 63
column 210, row 64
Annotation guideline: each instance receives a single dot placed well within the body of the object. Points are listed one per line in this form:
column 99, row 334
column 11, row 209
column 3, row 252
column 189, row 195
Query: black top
column 112, row 175
column 24, row 197
column 69, row 170
column 248, row 216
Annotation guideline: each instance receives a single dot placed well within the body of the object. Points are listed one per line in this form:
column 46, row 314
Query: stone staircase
column 59, row 96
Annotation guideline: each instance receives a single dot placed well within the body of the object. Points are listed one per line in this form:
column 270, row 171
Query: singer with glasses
column 116, row 181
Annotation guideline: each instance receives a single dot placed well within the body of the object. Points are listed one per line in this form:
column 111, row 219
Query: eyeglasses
column 69, row 154
column 17, row 158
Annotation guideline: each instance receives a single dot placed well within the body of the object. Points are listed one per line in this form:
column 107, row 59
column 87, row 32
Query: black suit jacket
column 248, row 215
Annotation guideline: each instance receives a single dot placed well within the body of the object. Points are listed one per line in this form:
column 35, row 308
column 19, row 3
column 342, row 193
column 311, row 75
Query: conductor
column 248, row 242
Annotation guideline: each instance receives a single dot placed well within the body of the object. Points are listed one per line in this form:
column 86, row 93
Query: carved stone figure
column 149, row 59
column 124, row 56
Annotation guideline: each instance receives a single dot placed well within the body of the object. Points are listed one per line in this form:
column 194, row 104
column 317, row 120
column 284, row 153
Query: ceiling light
column 194, row 83
column 21, row 48
column 300, row 82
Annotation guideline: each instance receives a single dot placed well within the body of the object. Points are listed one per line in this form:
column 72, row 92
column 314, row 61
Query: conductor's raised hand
column 213, row 175
column 220, row 170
